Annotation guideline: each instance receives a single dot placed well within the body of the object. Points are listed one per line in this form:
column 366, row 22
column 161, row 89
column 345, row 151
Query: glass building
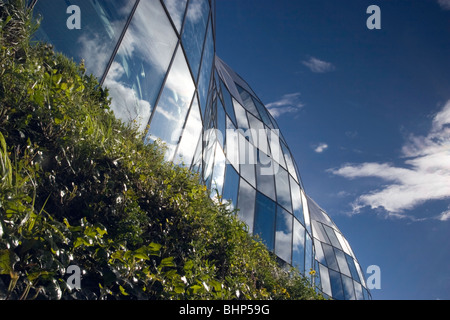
column 158, row 59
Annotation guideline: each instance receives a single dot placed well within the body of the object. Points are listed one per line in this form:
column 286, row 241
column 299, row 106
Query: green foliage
column 79, row 187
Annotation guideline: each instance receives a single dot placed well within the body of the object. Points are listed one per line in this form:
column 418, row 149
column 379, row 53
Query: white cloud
column 445, row 4
column 444, row 216
column 424, row 177
column 318, row 66
column 321, row 147
column 289, row 103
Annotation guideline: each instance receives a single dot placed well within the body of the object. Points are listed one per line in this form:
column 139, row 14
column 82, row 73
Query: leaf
column 5, row 262
column 122, row 290
column 167, row 262
column 154, row 249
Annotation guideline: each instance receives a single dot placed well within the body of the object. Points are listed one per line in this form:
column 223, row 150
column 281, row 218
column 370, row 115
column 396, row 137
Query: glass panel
column 194, row 32
column 218, row 172
column 318, row 232
column 306, row 212
column 206, row 65
column 232, row 144
column 289, row 161
column 265, row 181
column 263, row 113
column 336, row 285
column 361, row 277
column 228, row 102
column 347, row 284
column 248, row 101
column 138, row 70
column 325, row 280
column 247, row 160
column 231, row 185
column 221, row 122
column 320, row 256
column 342, row 262
column 330, row 257
column 241, row 116
column 208, row 153
column 308, row 253
column 246, row 203
column 358, row 291
column 173, row 105
column 176, row 10
column 297, row 206
column 189, row 139
column 100, row 29
column 259, row 134
column 283, row 190
column 343, row 243
column 265, row 219
column 298, row 246
column 332, row 236
column 197, row 161
column 352, row 267
column 283, row 235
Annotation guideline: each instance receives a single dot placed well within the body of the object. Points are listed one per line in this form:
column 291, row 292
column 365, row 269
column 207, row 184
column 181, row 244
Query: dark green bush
column 79, row 187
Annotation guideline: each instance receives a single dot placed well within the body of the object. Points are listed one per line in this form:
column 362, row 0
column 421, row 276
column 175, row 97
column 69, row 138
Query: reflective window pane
column 352, row 267
column 221, row 122
column 325, row 280
column 297, row 206
column 246, row 202
column 298, row 246
column 247, row 160
column 358, row 290
column 330, row 257
column 263, row 113
column 283, row 234
column 231, row 185
column 232, row 144
column 320, row 256
column 248, row 101
column 176, row 10
column 318, row 232
column 347, row 285
column 100, row 29
column 342, row 262
column 332, row 236
column 336, row 285
column 190, row 137
column 265, row 220
column 308, row 253
column 283, row 190
column 241, row 116
column 218, row 172
column 137, row 73
column 306, row 212
column 206, row 68
column 194, row 32
column 265, row 181
column 170, row 114
column 228, row 102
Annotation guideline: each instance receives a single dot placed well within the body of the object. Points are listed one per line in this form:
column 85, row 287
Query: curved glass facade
column 158, row 59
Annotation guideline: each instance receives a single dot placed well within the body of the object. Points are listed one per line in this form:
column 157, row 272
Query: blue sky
column 366, row 114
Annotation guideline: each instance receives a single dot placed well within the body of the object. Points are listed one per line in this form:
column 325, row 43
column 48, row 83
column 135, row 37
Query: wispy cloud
column 321, row 147
column 425, row 175
column 289, row 103
column 445, row 4
column 318, row 66
column 444, row 216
